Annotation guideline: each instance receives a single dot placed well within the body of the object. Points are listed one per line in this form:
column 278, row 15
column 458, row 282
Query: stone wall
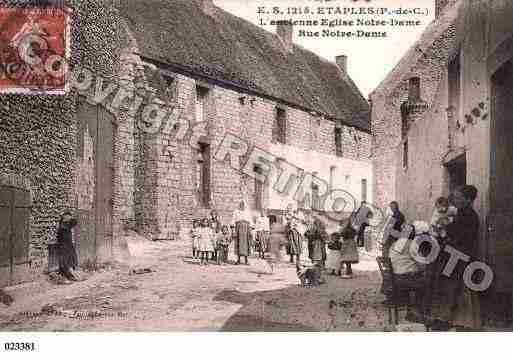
column 38, row 134
column 417, row 186
column 247, row 116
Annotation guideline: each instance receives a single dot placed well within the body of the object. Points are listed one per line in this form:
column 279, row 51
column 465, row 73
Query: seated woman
column 409, row 273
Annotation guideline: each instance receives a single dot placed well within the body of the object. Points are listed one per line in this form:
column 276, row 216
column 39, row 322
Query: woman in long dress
column 317, row 237
column 295, row 239
column 215, row 224
column 463, row 235
column 242, row 236
column 66, row 248
column 349, row 250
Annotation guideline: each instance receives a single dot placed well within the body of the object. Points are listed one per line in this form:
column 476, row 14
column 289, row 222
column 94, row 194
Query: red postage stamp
column 34, row 50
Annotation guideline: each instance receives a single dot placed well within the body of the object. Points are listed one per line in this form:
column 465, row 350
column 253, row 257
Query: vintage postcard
column 255, row 166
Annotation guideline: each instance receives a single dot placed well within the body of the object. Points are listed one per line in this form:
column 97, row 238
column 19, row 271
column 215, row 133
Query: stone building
column 51, row 158
column 440, row 120
column 259, row 86
column 99, row 150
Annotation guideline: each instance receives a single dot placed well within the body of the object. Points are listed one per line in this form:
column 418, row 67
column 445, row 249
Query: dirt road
column 179, row 295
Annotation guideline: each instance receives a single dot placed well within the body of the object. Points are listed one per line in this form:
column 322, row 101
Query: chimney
column 206, row 6
column 414, row 89
column 439, row 7
column 285, row 32
column 342, row 62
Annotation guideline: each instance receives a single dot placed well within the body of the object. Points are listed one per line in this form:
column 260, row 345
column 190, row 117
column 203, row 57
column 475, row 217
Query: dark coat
column 294, row 241
column 463, row 232
column 66, row 249
column 399, row 220
column 317, row 238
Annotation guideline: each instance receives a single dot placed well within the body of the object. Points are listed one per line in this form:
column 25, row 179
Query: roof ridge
column 415, row 51
column 230, row 48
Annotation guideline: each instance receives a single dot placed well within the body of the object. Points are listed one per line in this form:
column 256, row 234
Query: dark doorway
column 14, row 232
column 457, row 171
column 500, row 244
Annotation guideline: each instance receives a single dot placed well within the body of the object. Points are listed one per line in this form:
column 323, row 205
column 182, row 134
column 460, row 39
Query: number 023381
column 19, row 346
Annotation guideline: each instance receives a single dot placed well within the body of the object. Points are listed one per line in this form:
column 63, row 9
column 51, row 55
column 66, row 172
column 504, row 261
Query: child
column 349, row 250
column 194, row 238
column 262, row 229
column 222, row 244
column 206, row 239
column 334, row 255
column 442, row 216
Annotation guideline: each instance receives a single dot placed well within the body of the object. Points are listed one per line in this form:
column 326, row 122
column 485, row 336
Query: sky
column 369, row 59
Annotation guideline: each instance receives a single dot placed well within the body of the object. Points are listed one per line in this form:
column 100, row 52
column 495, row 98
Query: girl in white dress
column 206, row 241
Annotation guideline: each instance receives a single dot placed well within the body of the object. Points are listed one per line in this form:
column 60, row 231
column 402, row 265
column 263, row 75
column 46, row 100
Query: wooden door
column 500, row 220
column 14, row 233
column 95, row 159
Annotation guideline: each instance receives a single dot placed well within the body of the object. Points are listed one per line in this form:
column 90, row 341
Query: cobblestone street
column 181, row 295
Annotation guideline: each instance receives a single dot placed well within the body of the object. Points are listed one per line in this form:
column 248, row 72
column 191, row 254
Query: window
column 280, row 126
column 203, row 175
column 454, row 83
column 364, row 190
column 405, row 154
column 259, row 186
column 454, row 78
column 201, row 100
column 338, row 141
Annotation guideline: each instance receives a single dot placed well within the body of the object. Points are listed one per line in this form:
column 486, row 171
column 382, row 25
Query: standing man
column 399, row 220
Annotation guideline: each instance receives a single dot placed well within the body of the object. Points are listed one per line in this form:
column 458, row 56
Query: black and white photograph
column 281, row 167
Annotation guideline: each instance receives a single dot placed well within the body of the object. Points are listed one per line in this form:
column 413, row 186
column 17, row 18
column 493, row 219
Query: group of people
column 454, row 222
column 247, row 234
column 211, row 239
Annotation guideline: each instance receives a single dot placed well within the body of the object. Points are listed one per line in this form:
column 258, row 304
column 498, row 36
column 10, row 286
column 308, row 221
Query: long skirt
column 349, row 251
column 458, row 304
column 243, row 239
column 294, row 242
column 262, row 241
column 67, row 256
column 276, row 240
column 334, row 259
